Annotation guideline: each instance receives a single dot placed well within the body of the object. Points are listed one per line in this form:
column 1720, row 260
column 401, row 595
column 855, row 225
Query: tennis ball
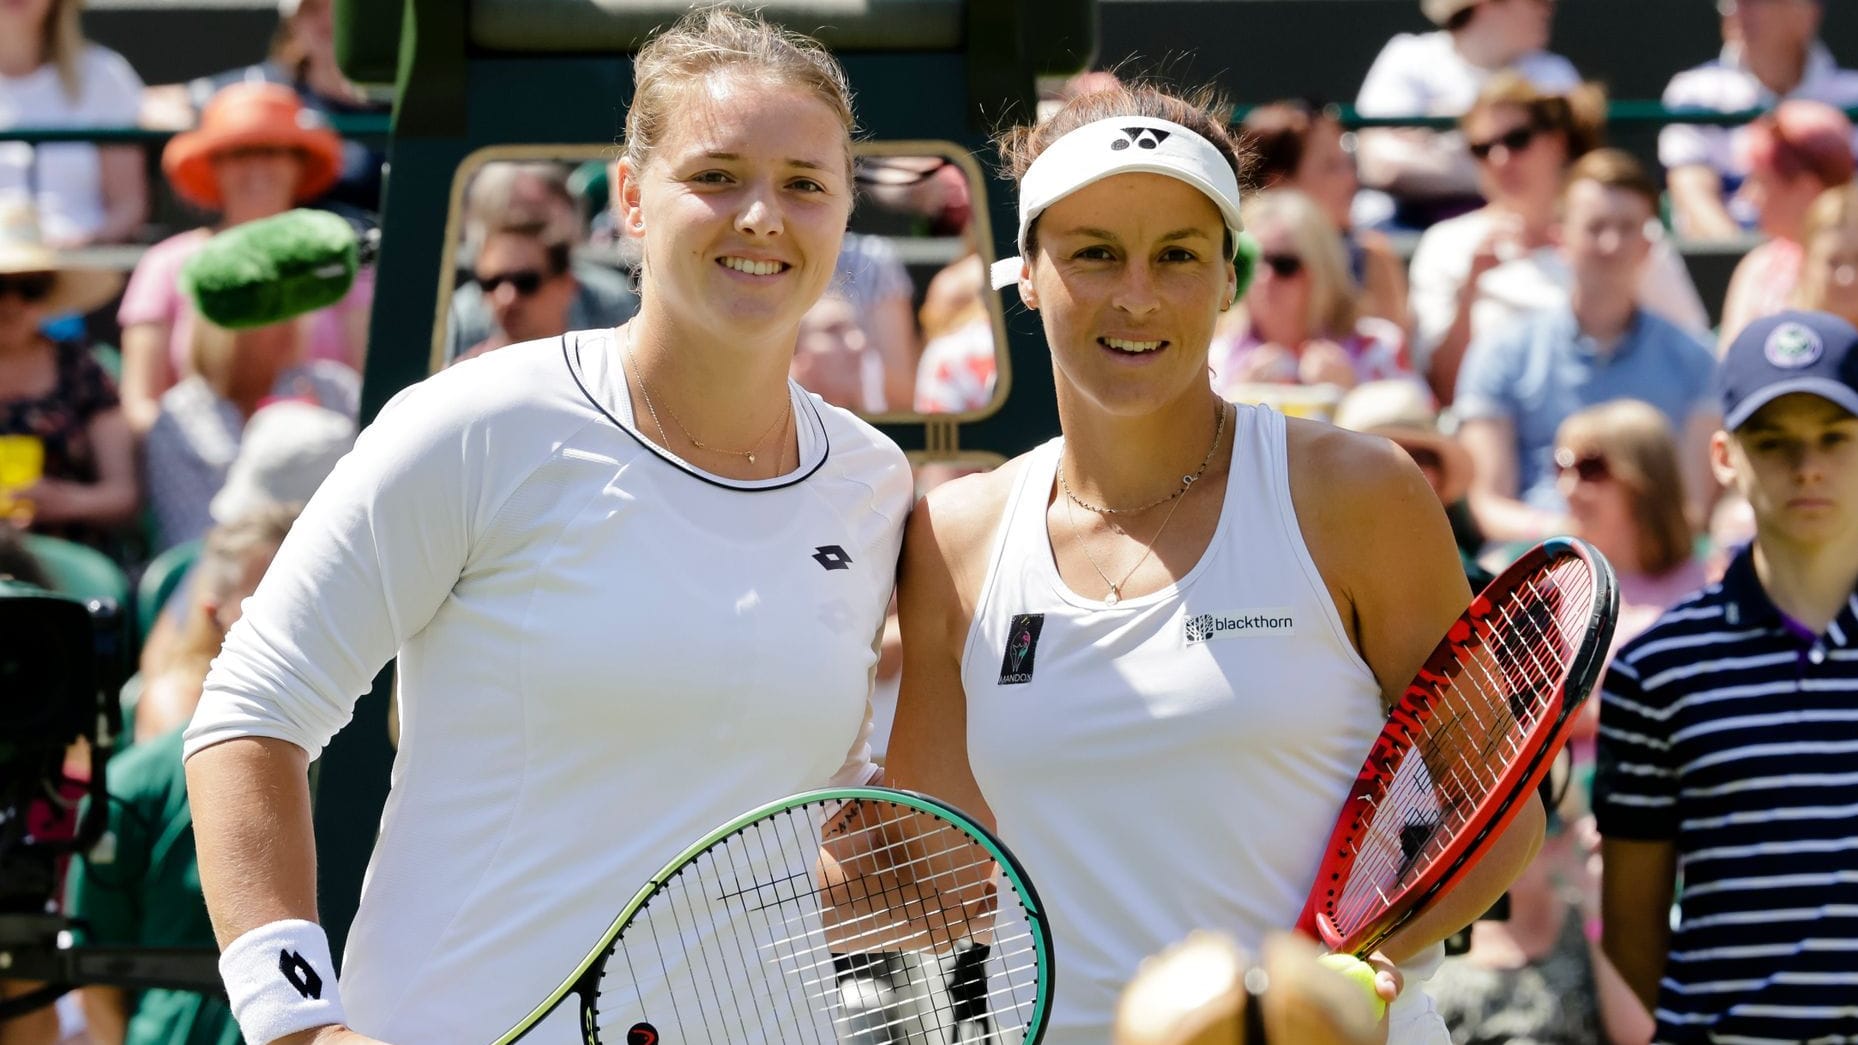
column 1360, row 972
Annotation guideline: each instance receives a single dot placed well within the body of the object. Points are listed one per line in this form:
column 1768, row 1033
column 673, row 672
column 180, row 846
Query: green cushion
column 79, row 571
column 159, row 580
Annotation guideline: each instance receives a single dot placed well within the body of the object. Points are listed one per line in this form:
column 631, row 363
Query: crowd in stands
column 1545, row 357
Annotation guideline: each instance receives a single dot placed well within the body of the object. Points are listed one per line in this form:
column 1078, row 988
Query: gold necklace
column 1219, row 428
column 645, row 394
column 1115, row 594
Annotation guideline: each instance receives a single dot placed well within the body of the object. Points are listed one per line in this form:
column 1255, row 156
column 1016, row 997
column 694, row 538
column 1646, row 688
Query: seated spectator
column 960, row 362
column 834, row 360
column 1297, row 146
column 1298, row 323
column 302, row 57
column 233, row 557
column 1771, row 53
column 1519, row 384
column 203, row 419
column 524, row 276
column 257, row 152
column 1829, row 274
column 1795, row 153
column 1475, row 275
column 872, row 276
column 1441, row 74
column 506, row 194
column 50, row 76
column 58, row 408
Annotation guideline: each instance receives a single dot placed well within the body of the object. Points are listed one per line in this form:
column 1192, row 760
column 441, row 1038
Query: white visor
column 1120, row 145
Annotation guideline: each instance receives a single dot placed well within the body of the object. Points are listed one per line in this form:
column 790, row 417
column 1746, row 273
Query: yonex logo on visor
column 1135, row 145
column 1144, row 137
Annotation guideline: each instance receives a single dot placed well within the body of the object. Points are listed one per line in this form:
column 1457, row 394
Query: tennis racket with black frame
column 1466, row 745
column 775, row 926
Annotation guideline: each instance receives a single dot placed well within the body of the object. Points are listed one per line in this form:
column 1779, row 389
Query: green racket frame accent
column 1009, row 866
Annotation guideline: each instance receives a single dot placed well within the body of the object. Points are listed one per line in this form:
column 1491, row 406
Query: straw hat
column 1441, row 11
column 1402, row 411
column 248, row 115
column 76, row 289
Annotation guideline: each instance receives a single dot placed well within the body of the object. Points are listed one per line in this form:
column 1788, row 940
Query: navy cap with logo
column 1788, row 352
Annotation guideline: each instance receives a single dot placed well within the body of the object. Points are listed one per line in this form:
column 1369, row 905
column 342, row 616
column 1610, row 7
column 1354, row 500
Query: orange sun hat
column 248, row 115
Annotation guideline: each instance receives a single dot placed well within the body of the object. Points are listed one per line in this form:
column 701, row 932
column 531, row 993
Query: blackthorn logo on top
column 1206, row 627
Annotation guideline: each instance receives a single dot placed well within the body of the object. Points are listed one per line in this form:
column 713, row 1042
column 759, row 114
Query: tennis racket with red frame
column 1466, row 745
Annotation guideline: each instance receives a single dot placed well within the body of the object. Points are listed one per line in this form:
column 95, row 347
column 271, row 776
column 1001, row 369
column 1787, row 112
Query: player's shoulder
column 1353, row 466
column 957, row 519
column 859, row 452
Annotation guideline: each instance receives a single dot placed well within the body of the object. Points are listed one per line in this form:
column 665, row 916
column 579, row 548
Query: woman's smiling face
column 1130, row 274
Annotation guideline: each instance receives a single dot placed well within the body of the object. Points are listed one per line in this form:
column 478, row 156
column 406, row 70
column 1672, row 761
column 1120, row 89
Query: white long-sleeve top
column 604, row 652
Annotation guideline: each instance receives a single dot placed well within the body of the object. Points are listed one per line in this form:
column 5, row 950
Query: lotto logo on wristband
column 1239, row 624
column 300, row 974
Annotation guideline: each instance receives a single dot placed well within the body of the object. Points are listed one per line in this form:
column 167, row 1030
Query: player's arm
column 1386, row 551
column 1636, row 884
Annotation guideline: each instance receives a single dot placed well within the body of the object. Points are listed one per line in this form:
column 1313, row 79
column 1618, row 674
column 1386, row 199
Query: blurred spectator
column 257, row 152
column 1537, row 976
column 287, row 449
column 522, row 271
column 302, row 57
column 1299, row 146
column 960, row 362
column 1298, row 323
column 872, row 277
column 1441, row 74
column 1726, row 729
column 1519, row 384
column 1771, row 52
column 203, row 420
column 1794, row 153
column 50, row 76
column 69, row 457
column 834, row 360
column 234, row 555
column 1476, row 275
column 507, row 194
column 1618, row 469
column 1829, row 275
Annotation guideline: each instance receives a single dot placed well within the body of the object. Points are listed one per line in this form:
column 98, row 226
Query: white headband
column 1120, row 145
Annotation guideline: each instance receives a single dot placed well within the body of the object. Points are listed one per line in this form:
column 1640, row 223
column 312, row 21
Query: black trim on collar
column 572, row 362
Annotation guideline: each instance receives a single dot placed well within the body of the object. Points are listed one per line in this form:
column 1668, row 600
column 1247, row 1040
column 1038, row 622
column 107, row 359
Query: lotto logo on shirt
column 1239, row 624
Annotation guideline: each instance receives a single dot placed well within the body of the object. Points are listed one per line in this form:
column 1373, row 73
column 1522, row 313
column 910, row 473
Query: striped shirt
column 1731, row 731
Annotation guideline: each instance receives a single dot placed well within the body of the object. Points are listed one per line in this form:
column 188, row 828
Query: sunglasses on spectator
column 526, row 281
column 30, row 286
column 1588, row 468
column 1283, row 266
column 1512, row 141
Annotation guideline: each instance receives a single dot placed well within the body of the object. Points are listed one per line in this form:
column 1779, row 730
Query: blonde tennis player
column 1158, row 647
column 634, row 579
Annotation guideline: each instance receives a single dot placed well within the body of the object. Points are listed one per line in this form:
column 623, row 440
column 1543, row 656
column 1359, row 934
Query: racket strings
column 747, row 944
column 1484, row 705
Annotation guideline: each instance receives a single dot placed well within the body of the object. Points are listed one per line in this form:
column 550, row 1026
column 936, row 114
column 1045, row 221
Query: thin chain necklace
column 1187, row 481
column 645, row 394
column 1115, row 594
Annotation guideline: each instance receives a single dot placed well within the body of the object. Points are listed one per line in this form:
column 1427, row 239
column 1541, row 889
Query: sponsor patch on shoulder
column 1239, row 624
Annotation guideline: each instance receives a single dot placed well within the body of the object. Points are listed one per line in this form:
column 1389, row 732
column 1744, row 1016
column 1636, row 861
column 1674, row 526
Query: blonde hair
column 219, row 355
column 1333, row 310
column 1636, row 442
column 1579, row 115
column 62, row 44
column 716, row 38
column 1835, row 210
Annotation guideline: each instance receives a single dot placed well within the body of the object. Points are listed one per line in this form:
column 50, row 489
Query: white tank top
column 1174, row 761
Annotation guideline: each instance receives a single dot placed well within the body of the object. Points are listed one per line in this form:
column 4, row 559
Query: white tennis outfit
column 1176, row 760
column 604, row 652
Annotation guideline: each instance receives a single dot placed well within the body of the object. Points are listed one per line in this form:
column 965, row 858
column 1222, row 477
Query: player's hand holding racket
column 748, row 935
column 1466, row 745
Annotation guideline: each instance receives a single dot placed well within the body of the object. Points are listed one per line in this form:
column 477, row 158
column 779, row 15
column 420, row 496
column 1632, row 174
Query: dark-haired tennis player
column 633, row 578
column 1158, row 648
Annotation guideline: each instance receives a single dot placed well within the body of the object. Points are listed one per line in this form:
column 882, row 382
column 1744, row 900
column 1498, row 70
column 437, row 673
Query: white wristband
column 280, row 980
